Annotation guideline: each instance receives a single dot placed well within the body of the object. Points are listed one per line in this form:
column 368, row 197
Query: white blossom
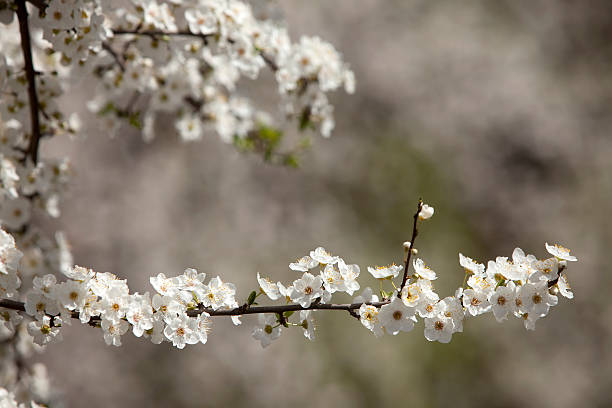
column 306, row 289
column 560, row 252
column 385, row 272
column 396, row 317
column 267, row 330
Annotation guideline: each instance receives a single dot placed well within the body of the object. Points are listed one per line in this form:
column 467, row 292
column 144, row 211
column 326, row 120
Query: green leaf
column 251, row 298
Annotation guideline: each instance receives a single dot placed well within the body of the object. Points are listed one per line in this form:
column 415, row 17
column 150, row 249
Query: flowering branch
column 26, row 46
column 238, row 311
column 185, row 33
column 415, row 232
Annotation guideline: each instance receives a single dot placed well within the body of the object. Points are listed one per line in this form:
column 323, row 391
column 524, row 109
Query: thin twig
column 112, row 52
column 415, row 232
column 159, row 33
column 26, row 46
column 183, row 33
column 553, row 282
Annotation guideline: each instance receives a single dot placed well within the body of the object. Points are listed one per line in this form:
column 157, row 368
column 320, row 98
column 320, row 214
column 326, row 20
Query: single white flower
column 332, row 279
column 396, row 316
column 44, row 284
column 306, row 289
column 180, row 331
column 71, row 294
column 304, row 264
column 43, row 332
column 535, row 299
column 190, row 280
column 411, row 294
column 504, row 269
column 425, row 307
column 439, row 328
column 368, row 315
column 546, row 269
column 308, row 324
column 169, row 307
column 564, row 287
column 267, row 330
column 476, row 302
column 164, row 286
column 503, row 301
column 113, row 330
column 269, row 288
column 322, row 256
column 140, row 313
column 217, row 294
column 423, row 270
column 470, row 265
column 482, row 283
column 560, row 252
column 451, row 307
column 201, row 326
column 79, row 273
column 349, row 273
column 385, row 272
column 37, row 305
column 426, row 212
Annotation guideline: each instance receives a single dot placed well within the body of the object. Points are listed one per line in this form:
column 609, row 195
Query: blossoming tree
column 183, row 61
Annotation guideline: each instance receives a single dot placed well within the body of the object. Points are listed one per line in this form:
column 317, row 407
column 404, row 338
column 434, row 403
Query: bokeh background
column 496, row 113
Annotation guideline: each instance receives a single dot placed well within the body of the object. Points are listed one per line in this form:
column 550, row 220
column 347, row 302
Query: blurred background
column 496, row 113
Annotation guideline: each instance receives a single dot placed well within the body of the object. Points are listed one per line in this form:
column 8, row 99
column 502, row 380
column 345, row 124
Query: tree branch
column 20, row 306
column 26, row 46
column 185, row 33
column 415, row 232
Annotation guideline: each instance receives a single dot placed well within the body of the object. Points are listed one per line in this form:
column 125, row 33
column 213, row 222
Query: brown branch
column 184, row 33
column 415, row 232
column 26, row 46
column 106, row 46
column 159, row 33
column 553, row 282
column 241, row 310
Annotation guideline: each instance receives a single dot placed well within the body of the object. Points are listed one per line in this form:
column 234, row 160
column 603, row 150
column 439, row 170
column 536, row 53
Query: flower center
column 397, row 315
column 308, row 290
column 268, row 329
column 180, row 331
column 438, row 325
column 475, row 301
column 501, row 300
column 537, row 299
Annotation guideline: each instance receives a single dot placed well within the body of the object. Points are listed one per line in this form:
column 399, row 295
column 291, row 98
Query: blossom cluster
column 182, row 60
column 180, row 310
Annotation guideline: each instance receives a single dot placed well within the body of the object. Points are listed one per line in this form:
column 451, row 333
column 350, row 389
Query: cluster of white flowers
column 180, row 310
column 7, row 400
column 180, row 58
column 185, row 60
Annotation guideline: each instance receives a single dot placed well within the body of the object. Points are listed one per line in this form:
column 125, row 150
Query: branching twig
column 26, row 46
column 415, row 232
column 158, row 33
column 112, row 52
